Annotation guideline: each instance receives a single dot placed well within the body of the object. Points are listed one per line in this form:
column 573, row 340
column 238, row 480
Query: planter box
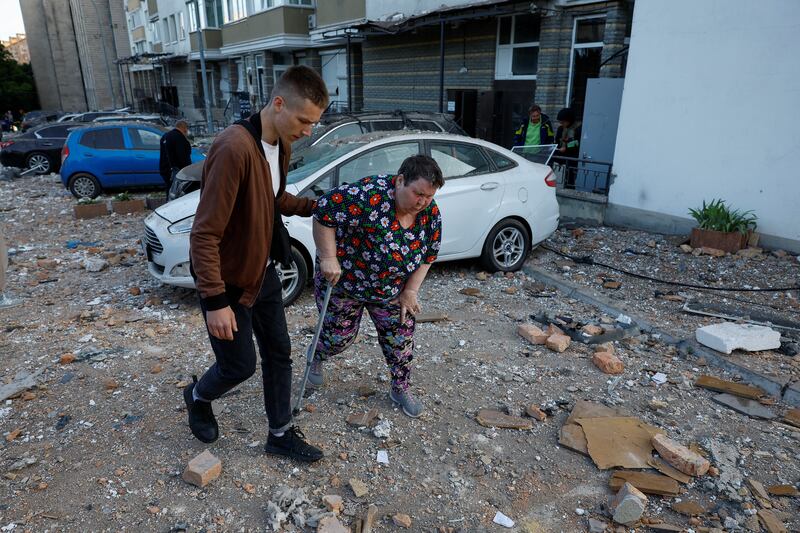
column 128, row 206
column 155, row 203
column 90, row 210
column 728, row 242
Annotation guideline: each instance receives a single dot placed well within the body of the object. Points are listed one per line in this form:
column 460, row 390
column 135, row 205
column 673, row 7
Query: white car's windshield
column 317, row 157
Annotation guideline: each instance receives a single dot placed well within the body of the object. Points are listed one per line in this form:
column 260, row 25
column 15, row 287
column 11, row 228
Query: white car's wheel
column 507, row 246
column 294, row 278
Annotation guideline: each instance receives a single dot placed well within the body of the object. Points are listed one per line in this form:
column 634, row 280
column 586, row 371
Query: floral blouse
column 376, row 253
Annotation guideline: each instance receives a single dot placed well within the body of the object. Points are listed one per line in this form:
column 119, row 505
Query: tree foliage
column 17, row 88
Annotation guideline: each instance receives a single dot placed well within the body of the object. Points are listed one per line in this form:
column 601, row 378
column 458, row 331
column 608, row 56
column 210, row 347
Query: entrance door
column 465, row 109
column 599, row 132
column 334, row 73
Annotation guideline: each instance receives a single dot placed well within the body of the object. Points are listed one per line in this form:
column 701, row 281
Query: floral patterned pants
column 343, row 318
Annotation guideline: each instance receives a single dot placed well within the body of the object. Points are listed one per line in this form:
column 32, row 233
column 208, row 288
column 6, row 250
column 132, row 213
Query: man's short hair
column 182, row 124
column 301, row 82
column 533, row 108
column 424, row 167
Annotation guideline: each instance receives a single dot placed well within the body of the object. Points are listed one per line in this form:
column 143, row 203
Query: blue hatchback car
column 113, row 156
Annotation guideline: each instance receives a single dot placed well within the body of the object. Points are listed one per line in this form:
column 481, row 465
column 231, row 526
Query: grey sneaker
column 6, row 302
column 406, row 401
column 315, row 376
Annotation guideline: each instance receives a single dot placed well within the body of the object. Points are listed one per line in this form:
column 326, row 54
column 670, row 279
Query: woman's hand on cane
column 407, row 300
column 330, row 268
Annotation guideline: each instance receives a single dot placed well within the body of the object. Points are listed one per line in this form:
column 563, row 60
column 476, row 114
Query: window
column 165, row 22
column 143, row 139
column 154, row 30
column 587, row 52
column 235, row 10
column 383, row 160
column 105, row 139
column 182, row 26
column 53, row 132
column 456, row 159
column 213, row 13
column 500, row 161
column 425, row 125
column 173, row 31
column 386, row 125
column 517, row 47
column 342, row 131
column 192, row 8
column 319, row 187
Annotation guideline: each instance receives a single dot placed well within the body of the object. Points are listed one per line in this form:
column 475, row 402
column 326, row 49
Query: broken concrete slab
column 728, row 336
column 783, row 490
column 366, row 419
column 628, row 505
column 618, row 441
column 771, row 522
column 721, row 385
column 491, row 418
column 792, row 417
column 745, row 406
column 688, row 508
column 680, row 456
column 668, row 470
column 432, row 316
column 22, row 381
column 571, row 435
column 646, row 482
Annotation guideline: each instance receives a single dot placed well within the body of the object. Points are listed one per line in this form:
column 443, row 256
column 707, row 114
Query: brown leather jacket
column 232, row 231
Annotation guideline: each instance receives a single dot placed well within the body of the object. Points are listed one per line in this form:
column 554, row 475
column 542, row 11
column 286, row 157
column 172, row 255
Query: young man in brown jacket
column 236, row 239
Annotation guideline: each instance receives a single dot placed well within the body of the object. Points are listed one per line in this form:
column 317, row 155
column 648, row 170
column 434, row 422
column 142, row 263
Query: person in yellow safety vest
column 536, row 130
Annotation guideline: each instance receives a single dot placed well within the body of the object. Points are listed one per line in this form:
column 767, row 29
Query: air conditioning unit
column 312, row 21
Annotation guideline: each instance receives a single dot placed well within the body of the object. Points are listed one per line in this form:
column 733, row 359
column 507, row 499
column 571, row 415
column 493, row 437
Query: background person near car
column 568, row 138
column 176, row 152
column 236, row 238
column 534, row 131
column 380, row 235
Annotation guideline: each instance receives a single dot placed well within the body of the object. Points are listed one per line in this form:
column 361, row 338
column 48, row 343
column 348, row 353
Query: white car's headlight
column 182, row 226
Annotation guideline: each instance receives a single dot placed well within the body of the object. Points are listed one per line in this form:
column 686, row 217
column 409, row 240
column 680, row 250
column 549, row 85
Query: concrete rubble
column 94, row 426
column 728, row 336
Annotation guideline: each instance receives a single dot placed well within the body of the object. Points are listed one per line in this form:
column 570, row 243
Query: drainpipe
column 441, row 67
column 349, row 82
column 201, row 48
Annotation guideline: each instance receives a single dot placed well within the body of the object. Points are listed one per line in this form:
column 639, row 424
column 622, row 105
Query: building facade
column 73, row 47
column 484, row 61
column 17, row 46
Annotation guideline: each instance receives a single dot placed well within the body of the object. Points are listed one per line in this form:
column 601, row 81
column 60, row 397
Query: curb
column 785, row 391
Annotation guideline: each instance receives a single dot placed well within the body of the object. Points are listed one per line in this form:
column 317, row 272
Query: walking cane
column 312, row 349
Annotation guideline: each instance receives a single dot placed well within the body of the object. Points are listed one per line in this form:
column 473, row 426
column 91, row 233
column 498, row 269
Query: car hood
column 186, row 206
column 180, row 208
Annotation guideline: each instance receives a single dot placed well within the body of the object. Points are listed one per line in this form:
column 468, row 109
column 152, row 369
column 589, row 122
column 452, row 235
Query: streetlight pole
column 201, row 48
column 105, row 56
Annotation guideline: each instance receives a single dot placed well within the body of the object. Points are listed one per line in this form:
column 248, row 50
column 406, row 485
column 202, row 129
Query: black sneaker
column 201, row 417
column 292, row 444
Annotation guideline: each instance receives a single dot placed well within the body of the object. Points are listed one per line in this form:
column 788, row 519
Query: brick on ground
column 608, row 363
column 532, row 333
column 558, row 342
column 680, row 456
column 203, row 469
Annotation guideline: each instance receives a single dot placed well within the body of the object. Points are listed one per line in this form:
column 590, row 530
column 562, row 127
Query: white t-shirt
column 274, row 169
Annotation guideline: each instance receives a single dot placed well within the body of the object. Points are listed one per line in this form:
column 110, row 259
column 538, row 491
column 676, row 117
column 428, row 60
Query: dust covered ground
column 99, row 443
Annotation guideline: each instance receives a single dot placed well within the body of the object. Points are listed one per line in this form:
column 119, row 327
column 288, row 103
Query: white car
column 495, row 204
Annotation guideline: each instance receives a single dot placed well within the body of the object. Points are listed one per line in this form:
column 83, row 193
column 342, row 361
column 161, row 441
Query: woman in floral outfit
column 376, row 239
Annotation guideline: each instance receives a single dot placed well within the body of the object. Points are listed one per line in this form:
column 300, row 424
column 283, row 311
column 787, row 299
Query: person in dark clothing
column 237, row 238
column 568, row 137
column 176, row 152
column 534, row 131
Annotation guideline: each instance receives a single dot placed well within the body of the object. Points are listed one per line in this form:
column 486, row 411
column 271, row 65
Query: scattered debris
column 721, row 385
column 792, row 417
column 401, row 520
column 745, row 406
column 361, row 420
column 21, row 382
column 534, row 412
column 532, row 333
column 646, row 482
column 688, row 508
column 659, row 378
column 358, row 487
column 783, row 490
column 433, row 316
column 203, row 469
column 628, row 505
column 771, row 522
column 333, row 503
column 558, row 342
column 668, row 470
column 618, row 441
column 680, row 456
column 608, row 363
column 331, row 524
column 383, row 429
column 503, row 520
column 728, row 336
column 382, row 457
column 495, row 419
column 291, row 505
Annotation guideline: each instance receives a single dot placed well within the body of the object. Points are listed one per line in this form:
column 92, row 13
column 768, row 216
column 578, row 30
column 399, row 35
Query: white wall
column 711, row 109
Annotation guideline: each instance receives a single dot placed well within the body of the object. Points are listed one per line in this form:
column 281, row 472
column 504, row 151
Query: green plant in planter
column 717, row 216
column 122, row 197
column 88, row 201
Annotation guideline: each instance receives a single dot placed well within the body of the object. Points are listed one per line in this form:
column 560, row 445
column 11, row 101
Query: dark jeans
column 236, row 359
